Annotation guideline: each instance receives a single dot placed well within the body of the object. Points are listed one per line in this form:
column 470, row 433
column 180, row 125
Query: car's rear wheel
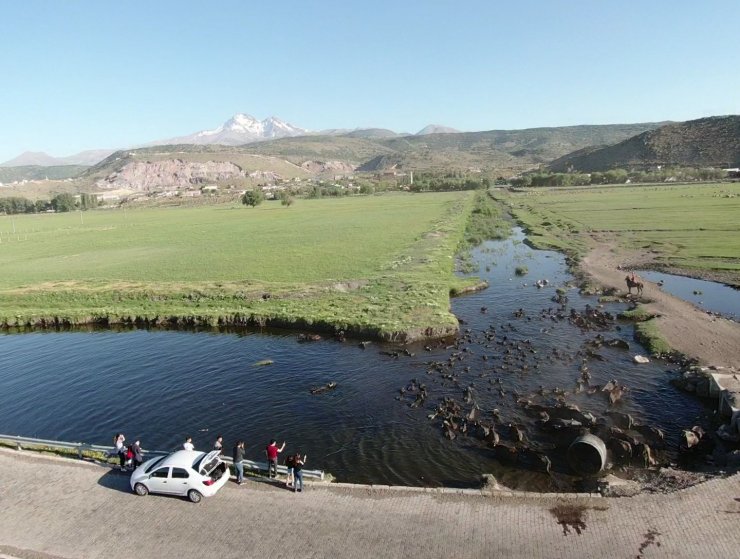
column 141, row 490
column 194, row 496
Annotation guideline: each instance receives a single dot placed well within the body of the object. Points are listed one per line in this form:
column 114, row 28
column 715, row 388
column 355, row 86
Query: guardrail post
column 18, row 445
column 79, row 451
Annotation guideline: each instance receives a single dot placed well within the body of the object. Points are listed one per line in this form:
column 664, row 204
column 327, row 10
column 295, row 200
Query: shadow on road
column 116, row 479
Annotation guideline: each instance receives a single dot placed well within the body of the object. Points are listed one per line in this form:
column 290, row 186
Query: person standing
column 290, row 464
column 118, row 441
column 298, row 462
column 138, row 454
column 219, row 444
column 238, row 457
column 272, row 452
column 188, row 444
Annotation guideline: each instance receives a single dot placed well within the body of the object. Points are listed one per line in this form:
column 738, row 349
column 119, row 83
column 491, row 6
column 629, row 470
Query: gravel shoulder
column 695, row 333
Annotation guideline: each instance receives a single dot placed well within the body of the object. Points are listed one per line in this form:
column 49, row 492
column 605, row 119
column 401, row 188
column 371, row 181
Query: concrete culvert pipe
column 587, row 455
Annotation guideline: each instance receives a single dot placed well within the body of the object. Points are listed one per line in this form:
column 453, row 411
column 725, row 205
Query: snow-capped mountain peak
column 241, row 128
column 242, row 122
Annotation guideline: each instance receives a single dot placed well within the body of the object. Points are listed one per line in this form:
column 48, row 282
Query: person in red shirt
column 272, row 452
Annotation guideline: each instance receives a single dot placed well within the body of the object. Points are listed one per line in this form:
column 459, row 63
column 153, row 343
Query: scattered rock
column 726, row 433
column 303, row 338
column 690, row 439
column 322, row 389
column 640, row 359
column 613, row 486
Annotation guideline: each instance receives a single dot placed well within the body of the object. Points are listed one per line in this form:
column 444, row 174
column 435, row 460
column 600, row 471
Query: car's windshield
column 154, row 464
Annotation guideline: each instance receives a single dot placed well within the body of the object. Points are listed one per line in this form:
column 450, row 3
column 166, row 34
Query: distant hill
column 345, row 148
column 436, row 129
column 39, row 158
column 371, row 133
column 499, row 149
column 705, row 142
column 38, row 172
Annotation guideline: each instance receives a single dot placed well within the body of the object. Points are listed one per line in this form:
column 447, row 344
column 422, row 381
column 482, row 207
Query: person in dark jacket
column 290, row 464
column 138, row 454
column 298, row 462
column 238, row 456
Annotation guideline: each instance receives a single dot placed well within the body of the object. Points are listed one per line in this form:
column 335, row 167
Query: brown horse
column 633, row 283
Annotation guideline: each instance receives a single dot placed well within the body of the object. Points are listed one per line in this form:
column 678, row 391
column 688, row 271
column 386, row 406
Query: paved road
column 62, row 508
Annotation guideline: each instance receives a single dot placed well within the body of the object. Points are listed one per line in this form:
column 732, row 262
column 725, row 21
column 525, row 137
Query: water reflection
column 708, row 295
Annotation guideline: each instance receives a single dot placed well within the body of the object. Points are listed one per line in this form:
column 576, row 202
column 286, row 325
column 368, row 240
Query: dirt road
column 693, row 332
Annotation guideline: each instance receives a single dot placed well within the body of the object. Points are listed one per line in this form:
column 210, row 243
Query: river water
column 708, row 295
column 159, row 386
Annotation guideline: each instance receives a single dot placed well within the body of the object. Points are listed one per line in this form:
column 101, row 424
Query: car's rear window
column 154, row 464
column 205, row 468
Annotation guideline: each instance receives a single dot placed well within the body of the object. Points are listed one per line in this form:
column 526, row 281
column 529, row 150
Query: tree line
column 60, row 203
column 620, row 176
column 455, row 180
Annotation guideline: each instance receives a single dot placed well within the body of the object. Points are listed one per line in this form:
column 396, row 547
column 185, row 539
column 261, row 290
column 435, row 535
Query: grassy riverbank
column 380, row 266
column 689, row 229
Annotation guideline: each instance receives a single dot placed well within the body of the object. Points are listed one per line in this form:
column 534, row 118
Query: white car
column 185, row 472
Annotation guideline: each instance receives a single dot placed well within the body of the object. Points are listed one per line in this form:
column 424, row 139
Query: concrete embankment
column 61, row 508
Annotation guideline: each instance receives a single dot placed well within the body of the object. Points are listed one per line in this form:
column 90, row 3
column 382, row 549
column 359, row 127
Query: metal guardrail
column 249, row 465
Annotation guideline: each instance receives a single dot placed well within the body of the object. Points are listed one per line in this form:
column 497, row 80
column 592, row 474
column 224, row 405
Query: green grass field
column 381, row 265
column 694, row 229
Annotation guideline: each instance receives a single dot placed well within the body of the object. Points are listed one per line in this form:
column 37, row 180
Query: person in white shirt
column 120, row 450
column 188, row 444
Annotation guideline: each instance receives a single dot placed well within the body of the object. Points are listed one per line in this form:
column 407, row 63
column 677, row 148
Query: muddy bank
column 695, row 333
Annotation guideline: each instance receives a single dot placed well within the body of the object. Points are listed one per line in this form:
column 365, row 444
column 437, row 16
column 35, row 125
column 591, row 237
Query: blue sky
column 80, row 75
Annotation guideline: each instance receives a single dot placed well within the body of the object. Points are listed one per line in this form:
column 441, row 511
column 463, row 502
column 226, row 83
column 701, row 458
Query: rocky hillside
column 173, row 173
column 178, row 167
column 706, row 142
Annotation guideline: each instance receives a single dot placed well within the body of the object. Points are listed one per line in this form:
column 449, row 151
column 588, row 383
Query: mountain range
column 240, row 129
column 270, row 149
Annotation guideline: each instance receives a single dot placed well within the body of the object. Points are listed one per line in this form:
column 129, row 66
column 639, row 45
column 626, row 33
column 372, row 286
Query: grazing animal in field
column 638, row 285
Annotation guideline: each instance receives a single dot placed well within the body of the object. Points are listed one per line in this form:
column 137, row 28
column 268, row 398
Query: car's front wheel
column 141, row 490
column 194, row 496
